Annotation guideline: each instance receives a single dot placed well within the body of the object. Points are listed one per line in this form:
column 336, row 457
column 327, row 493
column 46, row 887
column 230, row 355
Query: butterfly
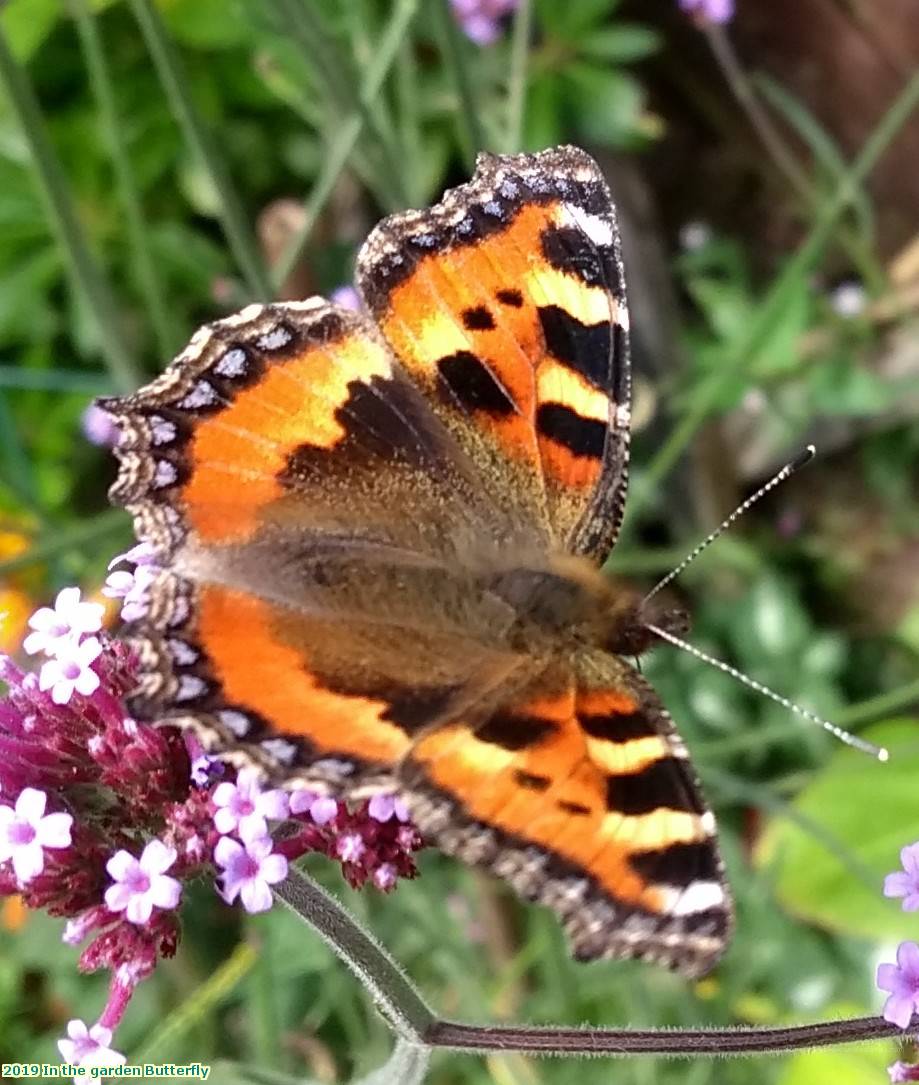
column 380, row 536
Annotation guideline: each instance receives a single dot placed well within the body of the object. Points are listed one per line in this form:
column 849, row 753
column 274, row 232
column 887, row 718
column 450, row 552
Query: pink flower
column 142, row 885
column 902, row 981
column 321, row 808
column 89, row 1046
column 71, row 671
column 709, row 11
column 350, row 847
column 481, row 19
column 383, row 807
column 249, row 870
column 385, row 877
column 99, row 426
column 905, row 883
column 903, row 1071
column 243, row 807
column 26, row 830
column 56, row 628
column 347, row 297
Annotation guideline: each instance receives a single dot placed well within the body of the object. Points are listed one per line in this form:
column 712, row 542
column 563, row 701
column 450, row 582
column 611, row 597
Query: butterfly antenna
column 789, row 469
column 844, row 736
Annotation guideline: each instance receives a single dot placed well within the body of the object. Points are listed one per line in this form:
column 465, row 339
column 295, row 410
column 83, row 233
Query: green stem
column 87, row 276
column 339, row 77
column 101, row 81
column 517, row 82
column 348, row 134
column 770, row 310
column 469, row 127
column 881, row 705
column 176, row 85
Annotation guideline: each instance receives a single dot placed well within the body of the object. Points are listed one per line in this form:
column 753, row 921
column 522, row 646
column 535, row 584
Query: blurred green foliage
column 169, row 129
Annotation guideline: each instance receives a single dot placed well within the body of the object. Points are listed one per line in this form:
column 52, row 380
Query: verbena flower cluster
column 105, row 819
column 901, row 980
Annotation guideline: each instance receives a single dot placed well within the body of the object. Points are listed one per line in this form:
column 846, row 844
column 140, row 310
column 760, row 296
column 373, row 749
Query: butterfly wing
column 579, row 793
column 506, row 303
column 307, row 511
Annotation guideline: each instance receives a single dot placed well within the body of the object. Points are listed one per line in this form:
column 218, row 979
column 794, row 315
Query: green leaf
column 607, row 103
column 621, row 43
column 874, row 808
column 27, row 23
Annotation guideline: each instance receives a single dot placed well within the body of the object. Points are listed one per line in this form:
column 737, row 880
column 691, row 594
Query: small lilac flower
column 71, row 671
column 55, row 628
column 709, row 11
column 905, row 883
column 481, row 19
column 133, row 588
column 141, row 553
column 383, row 807
column 350, row 847
column 142, row 884
column 244, row 808
column 89, row 1046
column 99, row 427
column 903, row 1071
column 26, row 830
column 249, row 870
column 385, row 876
column 902, row 981
column 347, row 297
column 321, row 808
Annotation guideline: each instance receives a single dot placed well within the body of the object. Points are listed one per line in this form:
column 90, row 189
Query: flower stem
column 393, row 993
column 401, row 1003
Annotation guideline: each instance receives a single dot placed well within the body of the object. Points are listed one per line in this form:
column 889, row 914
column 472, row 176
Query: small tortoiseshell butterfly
column 381, row 535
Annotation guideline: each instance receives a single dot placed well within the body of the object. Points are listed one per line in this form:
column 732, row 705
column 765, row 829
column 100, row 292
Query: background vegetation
column 161, row 164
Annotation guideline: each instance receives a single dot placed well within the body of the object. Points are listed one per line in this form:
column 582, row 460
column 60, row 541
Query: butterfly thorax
column 570, row 604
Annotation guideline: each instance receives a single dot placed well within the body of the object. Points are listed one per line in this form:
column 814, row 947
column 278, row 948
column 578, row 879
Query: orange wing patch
column 505, row 303
column 583, row 799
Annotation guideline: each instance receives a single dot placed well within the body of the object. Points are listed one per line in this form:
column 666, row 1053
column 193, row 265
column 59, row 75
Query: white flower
column 133, row 588
column 72, row 671
column 142, row 884
column 89, row 1046
column 243, row 807
column 249, row 869
column 141, row 554
column 849, row 299
column 55, row 629
column 25, row 830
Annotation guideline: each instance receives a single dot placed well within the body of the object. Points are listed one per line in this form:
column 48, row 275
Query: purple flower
column 244, row 808
column 142, row 884
column 385, row 876
column 55, row 629
column 347, row 297
column 71, row 671
column 26, row 830
column 383, row 807
column 249, row 870
column 141, row 553
column 99, row 427
column 903, row 1071
column 905, row 883
column 89, row 1046
column 350, row 847
column 481, row 19
column 709, row 11
column 902, row 981
column 321, row 808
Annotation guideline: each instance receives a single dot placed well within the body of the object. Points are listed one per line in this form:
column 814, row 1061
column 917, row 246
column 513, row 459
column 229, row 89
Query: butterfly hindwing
column 506, row 303
column 579, row 793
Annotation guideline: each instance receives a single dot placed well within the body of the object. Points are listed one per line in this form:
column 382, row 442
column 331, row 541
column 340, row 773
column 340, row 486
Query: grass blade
column 101, row 81
column 76, row 536
column 175, row 83
column 87, row 275
column 517, row 82
column 349, row 133
column 469, row 125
